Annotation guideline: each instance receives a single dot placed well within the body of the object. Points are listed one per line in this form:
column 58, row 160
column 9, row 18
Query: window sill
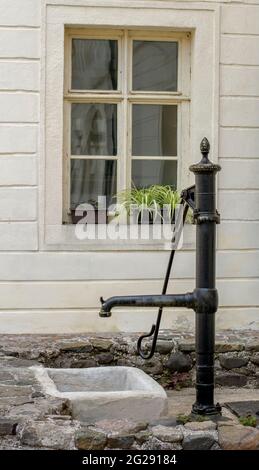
column 64, row 237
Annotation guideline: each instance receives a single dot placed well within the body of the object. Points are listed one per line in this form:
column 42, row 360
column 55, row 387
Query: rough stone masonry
column 173, row 365
column 29, row 419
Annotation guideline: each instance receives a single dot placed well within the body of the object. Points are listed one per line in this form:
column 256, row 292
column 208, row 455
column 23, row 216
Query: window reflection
column 148, row 172
column 94, row 64
column 92, row 178
column 155, row 65
column 154, row 130
column 94, row 129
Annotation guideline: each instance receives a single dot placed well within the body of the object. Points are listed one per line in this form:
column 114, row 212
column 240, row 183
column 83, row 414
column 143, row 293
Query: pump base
column 206, row 410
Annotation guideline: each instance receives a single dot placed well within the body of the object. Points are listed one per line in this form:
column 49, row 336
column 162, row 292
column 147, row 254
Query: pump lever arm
column 186, row 196
column 154, row 331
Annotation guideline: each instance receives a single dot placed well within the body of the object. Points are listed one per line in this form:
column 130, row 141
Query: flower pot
column 92, row 216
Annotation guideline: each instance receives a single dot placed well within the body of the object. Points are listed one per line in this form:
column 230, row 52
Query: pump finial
column 205, row 146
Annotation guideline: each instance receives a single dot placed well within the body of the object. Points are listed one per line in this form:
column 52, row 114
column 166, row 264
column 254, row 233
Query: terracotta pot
column 93, row 216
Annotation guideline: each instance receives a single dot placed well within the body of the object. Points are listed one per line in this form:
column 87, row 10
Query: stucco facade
column 48, row 286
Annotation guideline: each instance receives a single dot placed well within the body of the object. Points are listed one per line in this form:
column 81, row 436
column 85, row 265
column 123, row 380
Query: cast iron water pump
column 201, row 198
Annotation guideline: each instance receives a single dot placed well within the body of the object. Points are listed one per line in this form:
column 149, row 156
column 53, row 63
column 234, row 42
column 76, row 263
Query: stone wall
column 173, row 365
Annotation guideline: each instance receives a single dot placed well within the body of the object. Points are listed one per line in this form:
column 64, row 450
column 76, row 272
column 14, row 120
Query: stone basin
column 98, row 393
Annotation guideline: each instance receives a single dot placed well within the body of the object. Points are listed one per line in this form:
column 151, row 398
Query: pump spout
column 175, row 300
column 200, row 300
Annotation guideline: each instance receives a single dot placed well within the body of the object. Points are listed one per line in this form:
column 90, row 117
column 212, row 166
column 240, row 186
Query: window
column 194, row 28
column 125, row 107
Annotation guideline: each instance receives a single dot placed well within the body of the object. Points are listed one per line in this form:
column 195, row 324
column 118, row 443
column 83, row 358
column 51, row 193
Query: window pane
column 148, row 172
column 154, row 130
column 92, row 178
column 94, row 64
column 94, row 129
column 155, row 65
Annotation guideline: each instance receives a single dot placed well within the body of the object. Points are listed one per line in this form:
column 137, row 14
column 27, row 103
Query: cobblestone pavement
column 29, row 419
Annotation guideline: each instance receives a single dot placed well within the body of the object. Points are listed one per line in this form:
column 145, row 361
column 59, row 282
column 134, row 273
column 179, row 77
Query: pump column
column 206, row 217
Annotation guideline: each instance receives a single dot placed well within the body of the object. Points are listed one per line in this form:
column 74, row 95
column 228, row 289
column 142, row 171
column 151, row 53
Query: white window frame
column 124, row 97
column 202, row 21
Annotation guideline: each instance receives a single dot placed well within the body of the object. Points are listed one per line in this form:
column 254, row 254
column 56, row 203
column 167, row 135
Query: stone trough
column 105, row 392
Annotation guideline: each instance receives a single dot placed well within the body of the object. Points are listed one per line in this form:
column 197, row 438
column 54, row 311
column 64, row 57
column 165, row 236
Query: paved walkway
column 180, row 402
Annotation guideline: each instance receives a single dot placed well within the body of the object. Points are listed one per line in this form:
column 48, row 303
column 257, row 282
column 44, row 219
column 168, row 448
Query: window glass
column 154, row 130
column 127, row 137
column 148, row 172
column 92, row 178
column 94, row 64
column 94, row 129
column 155, row 65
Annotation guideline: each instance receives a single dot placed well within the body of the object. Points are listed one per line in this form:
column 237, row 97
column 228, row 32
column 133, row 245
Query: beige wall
column 58, row 291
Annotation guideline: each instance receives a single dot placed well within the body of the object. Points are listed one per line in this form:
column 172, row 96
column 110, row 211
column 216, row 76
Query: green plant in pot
column 153, row 203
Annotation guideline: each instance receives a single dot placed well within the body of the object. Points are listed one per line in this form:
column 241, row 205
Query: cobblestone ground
column 29, row 419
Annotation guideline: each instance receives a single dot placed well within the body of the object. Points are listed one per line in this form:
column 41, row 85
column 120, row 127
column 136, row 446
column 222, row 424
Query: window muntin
column 102, row 122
